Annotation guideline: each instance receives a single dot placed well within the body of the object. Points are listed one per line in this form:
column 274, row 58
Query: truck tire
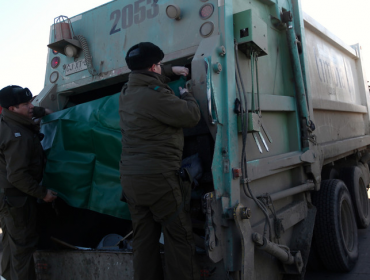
column 335, row 232
column 355, row 182
column 365, row 171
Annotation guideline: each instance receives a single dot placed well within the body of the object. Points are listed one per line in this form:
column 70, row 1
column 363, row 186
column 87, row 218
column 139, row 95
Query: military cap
column 143, row 55
column 14, row 95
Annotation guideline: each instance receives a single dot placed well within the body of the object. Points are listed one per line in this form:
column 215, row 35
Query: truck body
column 285, row 114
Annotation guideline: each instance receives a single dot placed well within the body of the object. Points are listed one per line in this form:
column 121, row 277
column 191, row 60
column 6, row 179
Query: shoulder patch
column 156, row 88
column 17, row 134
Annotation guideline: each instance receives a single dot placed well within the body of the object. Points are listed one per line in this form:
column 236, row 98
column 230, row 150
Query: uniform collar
column 141, row 77
column 19, row 119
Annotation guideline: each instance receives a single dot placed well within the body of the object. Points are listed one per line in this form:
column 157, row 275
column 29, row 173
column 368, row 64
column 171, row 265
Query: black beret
column 14, row 95
column 143, row 55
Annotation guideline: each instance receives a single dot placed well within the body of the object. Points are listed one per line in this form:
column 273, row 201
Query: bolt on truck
column 283, row 140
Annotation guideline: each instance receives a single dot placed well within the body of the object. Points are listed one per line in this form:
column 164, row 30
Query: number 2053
column 136, row 13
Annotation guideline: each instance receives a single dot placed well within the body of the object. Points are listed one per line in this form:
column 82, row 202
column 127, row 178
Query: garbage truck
column 283, row 138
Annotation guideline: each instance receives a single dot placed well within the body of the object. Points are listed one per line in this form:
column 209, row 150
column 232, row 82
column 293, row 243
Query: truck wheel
column 355, row 182
column 365, row 171
column 335, row 232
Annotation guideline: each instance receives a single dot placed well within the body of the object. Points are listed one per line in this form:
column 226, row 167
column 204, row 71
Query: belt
column 12, row 192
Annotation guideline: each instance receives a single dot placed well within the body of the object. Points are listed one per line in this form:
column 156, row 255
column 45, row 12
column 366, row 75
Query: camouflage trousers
column 154, row 201
column 18, row 223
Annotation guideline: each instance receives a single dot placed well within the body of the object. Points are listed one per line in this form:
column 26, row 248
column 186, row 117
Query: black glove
column 38, row 112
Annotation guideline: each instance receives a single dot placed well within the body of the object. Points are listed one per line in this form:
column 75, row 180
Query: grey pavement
column 361, row 271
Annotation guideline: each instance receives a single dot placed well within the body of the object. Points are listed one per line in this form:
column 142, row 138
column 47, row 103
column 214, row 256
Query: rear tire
column 356, row 185
column 365, row 171
column 335, row 232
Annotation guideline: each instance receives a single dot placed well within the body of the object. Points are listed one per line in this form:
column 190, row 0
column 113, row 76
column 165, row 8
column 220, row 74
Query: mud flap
column 303, row 241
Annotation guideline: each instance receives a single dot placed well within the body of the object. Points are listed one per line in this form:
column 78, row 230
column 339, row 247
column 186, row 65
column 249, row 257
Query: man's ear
column 151, row 69
column 11, row 108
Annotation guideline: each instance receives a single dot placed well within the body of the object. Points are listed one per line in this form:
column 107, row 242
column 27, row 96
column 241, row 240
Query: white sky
column 25, row 24
column 24, row 36
column 348, row 20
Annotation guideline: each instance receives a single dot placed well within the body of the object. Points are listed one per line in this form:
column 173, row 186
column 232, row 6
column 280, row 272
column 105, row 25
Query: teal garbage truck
column 283, row 140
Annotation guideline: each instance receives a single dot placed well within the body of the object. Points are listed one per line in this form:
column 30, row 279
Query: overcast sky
column 24, row 31
column 348, row 20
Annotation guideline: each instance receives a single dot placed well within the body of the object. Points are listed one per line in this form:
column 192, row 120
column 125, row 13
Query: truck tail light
column 55, row 62
column 206, row 29
column 70, row 51
column 54, row 77
column 206, row 11
column 237, row 172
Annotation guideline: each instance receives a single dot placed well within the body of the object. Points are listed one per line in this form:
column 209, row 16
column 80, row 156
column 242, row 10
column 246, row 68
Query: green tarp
column 83, row 148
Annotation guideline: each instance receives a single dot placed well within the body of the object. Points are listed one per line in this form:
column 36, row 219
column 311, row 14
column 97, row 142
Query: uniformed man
column 152, row 119
column 21, row 168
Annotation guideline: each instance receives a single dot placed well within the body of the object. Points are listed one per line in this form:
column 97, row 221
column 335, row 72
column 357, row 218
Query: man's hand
column 48, row 111
column 182, row 90
column 180, row 70
column 50, row 196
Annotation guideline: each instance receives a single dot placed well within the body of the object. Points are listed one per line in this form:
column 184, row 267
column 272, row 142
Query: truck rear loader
column 283, row 139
